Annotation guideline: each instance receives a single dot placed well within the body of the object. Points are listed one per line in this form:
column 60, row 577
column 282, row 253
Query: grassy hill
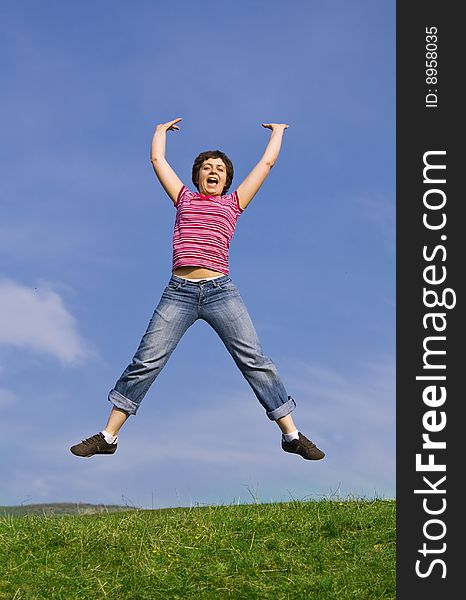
column 59, row 509
column 296, row 550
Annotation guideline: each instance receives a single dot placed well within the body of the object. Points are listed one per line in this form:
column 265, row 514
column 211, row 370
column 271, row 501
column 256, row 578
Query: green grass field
column 310, row 550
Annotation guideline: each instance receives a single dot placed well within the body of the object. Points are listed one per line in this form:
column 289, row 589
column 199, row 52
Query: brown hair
column 212, row 154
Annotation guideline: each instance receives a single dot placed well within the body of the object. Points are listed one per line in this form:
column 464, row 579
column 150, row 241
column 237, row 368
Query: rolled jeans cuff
column 283, row 410
column 120, row 401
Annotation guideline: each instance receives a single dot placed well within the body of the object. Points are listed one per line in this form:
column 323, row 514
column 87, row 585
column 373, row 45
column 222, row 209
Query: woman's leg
column 227, row 314
column 175, row 313
column 116, row 420
column 286, row 424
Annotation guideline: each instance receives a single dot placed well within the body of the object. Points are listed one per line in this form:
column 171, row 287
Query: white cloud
column 36, row 319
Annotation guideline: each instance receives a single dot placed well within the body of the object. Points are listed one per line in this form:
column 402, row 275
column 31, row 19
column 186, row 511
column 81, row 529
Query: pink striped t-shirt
column 204, row 227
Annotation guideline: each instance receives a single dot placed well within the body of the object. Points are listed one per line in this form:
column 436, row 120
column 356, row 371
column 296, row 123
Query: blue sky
column 85, row 245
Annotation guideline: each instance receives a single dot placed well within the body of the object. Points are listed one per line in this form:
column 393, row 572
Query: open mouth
column 212, row 181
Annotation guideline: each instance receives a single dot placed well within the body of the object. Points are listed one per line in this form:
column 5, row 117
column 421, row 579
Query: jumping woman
column 200, row 288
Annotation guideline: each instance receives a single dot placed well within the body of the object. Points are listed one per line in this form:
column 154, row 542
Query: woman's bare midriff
column 196, row 272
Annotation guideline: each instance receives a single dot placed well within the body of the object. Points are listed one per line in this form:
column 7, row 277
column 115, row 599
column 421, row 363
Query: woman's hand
column 170, row 126
column 166, row 175
column 273, row 126
column 250, row 186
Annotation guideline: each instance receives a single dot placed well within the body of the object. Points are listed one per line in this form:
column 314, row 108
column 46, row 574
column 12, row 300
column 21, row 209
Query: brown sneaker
column 95, row 444
column 303, row 447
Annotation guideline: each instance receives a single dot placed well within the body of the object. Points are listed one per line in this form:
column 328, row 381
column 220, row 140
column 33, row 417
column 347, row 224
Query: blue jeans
column 219, row 303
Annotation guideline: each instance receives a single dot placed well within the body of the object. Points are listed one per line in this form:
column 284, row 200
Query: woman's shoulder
column 185, row 194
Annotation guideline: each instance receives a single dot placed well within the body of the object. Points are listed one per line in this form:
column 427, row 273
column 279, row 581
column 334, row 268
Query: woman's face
column 212, row 177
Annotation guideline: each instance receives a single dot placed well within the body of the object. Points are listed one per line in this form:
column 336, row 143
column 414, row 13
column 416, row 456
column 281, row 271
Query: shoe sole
column 303, row 457
column 91, row 455
column 307, row 457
